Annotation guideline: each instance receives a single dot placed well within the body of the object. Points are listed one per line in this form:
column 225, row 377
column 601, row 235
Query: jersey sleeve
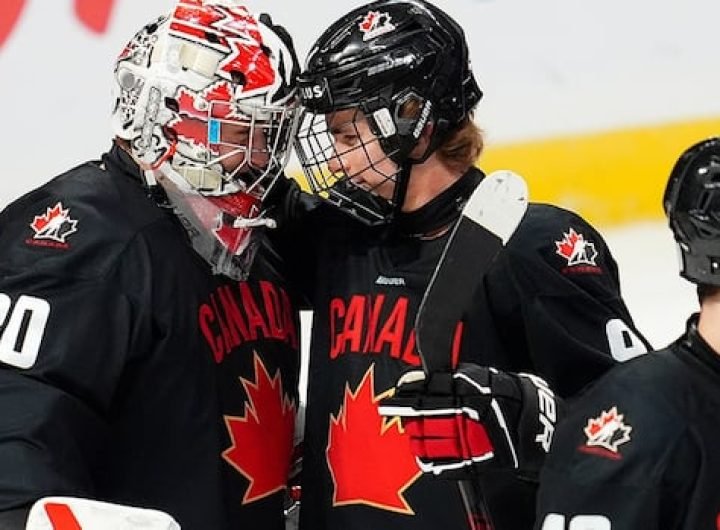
column 621, row 460
column 557, row 301
column 67, row 332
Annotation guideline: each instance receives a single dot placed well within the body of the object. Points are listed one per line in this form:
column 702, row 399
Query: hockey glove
column 475, row 417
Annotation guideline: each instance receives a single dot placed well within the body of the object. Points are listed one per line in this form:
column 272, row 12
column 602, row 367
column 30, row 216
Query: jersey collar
column 698, row 348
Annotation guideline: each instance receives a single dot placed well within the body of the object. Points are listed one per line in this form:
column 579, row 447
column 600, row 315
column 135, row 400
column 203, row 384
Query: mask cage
column 234, row 147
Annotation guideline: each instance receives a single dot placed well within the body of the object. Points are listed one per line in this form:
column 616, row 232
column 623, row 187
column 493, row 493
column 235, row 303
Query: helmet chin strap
column 401, row 185
column 407, row 163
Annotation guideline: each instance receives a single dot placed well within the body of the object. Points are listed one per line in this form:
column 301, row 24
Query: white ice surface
column 658, row 298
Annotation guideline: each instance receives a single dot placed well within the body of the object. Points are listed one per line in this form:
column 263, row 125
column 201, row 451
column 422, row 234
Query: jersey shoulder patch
column 634, row 409
column 76, row 225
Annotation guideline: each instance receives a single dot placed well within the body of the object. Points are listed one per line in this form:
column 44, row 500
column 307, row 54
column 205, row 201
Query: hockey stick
column 489, row 218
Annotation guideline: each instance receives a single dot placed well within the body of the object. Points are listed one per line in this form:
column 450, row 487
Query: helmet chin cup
column 202, row 179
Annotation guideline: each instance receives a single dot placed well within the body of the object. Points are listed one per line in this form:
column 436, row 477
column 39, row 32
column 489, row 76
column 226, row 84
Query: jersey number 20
column 22, row 327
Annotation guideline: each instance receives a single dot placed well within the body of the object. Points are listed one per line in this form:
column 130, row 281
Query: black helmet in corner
column 692, row 205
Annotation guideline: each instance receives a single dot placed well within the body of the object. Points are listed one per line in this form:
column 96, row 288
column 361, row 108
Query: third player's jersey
column 550, row 305
column 640, row 449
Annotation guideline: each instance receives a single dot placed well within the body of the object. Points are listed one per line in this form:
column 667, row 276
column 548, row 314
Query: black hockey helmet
column 692, row 205
column 379, row 55
column 377, row 59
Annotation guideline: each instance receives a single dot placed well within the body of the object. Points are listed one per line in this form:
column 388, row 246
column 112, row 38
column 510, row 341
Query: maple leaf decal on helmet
column 374, row 24
column 262, row 439
column 369, row 457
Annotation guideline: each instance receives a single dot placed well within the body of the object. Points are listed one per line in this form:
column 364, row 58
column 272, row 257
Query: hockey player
column 639, row 449
column 388, row 142
column 148, row 339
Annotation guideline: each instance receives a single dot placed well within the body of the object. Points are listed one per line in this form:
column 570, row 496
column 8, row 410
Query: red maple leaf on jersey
column 262, row 439
column 607, row 418
column 40, row 222
column 606, row 433
column 369, row 457
column 576, row 249
column 566, row 247
column 55, row 224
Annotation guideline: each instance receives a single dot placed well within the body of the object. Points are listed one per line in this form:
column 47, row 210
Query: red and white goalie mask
column 206, row 99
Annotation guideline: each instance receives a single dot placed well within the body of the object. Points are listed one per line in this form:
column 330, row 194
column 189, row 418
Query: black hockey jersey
column 550, row 305
column 639, row 450
column 129, row 373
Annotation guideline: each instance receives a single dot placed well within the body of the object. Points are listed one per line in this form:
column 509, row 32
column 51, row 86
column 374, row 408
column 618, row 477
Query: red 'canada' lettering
column 366, row 324
column 235, row 314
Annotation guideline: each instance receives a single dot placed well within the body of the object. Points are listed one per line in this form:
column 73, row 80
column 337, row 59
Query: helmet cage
column 232, row 147
column 323, row 160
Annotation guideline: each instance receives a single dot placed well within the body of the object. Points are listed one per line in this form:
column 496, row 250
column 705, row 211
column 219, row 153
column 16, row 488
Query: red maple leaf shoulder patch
column 579, row 253
column 53, row 227
column 606, row 433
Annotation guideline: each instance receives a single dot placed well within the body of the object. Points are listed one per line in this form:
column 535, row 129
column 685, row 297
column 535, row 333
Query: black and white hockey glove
column 475, row 417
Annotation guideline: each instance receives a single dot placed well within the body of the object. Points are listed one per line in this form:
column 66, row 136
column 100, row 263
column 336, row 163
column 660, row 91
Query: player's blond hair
column 463, row 147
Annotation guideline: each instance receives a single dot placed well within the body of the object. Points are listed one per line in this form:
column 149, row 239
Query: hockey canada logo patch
column 579, row 253
column 375, row 24
column 606, row 433
column 52, row 228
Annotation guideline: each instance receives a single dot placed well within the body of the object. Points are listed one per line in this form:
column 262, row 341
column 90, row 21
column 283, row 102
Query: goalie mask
column 692, row 204
column 205, row 98
column 374, row 82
